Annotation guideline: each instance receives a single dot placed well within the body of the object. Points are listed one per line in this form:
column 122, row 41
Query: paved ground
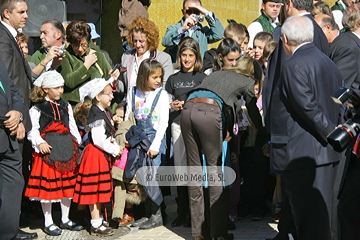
column 245, row 230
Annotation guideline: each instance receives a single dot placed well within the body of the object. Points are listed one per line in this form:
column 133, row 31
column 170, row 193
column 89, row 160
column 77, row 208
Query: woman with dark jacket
column 202, row 128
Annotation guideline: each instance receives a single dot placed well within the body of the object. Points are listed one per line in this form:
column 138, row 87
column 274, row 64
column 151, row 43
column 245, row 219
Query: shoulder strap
column 133, row 98
column 132, row 55
column 153, row 54
column 154, row 103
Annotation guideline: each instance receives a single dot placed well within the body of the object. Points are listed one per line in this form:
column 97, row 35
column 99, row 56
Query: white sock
column 65, row 209
column 95, row 223
column 46, row 207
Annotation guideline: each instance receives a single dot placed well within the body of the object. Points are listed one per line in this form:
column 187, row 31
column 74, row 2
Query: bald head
column 328, row 25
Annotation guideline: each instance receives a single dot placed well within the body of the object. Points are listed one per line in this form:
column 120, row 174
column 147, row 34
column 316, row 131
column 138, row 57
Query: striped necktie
column 18, row 43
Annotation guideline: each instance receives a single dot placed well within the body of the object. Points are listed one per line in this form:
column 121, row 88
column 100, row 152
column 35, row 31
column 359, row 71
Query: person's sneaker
column 276, row 215
column 243, row 212
column 234, row 219
column 257, row 217
column 269, row 208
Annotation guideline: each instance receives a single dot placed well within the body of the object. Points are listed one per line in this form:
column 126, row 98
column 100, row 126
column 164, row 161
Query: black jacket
column 140, row 162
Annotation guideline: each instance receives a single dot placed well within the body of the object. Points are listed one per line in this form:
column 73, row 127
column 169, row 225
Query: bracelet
column 42, row 64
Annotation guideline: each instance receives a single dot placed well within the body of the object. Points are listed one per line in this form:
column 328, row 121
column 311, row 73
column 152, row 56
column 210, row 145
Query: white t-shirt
column 160, row 116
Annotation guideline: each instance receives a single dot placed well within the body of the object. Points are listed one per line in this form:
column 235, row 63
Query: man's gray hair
column 298, row 29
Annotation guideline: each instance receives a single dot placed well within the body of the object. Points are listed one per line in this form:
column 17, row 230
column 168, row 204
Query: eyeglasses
column 192, row 11
column 110, row 94
column 84, row 45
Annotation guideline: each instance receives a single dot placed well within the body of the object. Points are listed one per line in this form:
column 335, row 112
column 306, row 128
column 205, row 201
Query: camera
column 199, row 18
column 242, row 53
column 61, row 51
column 346, row 133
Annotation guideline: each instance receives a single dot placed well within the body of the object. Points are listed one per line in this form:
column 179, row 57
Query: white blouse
column 99, row 139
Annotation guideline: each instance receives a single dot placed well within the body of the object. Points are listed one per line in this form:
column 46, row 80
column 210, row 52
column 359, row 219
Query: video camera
column 344, row 134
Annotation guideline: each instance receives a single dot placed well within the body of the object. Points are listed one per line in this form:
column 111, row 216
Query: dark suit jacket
column 345, row 52
column 17, row 70
column 303, row 114
column 278, row 58
column 8, row 101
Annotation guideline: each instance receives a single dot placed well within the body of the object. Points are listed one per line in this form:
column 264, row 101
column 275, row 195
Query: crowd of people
column 77, row 129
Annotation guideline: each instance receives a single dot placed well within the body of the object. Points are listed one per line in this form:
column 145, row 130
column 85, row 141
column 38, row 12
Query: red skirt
column 45, row 182
column 94, row 182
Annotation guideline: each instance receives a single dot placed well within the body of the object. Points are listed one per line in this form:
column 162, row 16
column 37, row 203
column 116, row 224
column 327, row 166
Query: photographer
column 346, row 136
column 50, row 55
column 189, row 26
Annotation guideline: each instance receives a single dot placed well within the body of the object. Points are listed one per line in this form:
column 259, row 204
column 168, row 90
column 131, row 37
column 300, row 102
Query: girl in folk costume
column 53, row 134
column 94, row 182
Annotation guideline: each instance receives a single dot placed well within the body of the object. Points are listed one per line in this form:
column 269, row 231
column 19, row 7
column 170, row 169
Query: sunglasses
column 84, row 45
column 192, row 11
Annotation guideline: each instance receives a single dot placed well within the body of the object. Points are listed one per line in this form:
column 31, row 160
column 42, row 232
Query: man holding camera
column 190, row 26
column 50, row 55
column 345, row 52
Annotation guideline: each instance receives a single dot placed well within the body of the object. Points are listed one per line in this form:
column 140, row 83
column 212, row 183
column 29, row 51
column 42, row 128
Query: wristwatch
column 21, row 117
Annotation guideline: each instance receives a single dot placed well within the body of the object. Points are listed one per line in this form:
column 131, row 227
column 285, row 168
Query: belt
column 204, row 100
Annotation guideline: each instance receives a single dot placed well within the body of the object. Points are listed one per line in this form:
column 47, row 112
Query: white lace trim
column 46, row 201
column 97, row 123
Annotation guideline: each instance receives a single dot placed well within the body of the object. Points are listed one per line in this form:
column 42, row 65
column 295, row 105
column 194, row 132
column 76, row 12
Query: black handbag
column 64, row 149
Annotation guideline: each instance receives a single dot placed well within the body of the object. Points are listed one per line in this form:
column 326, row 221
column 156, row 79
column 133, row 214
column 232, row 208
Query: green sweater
column 75, row 73
column 38, row 56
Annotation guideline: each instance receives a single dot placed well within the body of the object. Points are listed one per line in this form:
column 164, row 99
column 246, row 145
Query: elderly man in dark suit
column 301, row 116
column 11, row 180
column 276, row 61
column 13, row 17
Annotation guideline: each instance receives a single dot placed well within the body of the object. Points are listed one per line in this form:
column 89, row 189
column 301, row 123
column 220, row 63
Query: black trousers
column 255, row 176
column 201, row 127
column 308, row 202
column 11, row 187
column 349, row 202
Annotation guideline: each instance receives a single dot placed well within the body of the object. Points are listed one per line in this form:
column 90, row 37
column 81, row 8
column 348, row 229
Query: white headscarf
column 93, row 87
column 49, row 79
